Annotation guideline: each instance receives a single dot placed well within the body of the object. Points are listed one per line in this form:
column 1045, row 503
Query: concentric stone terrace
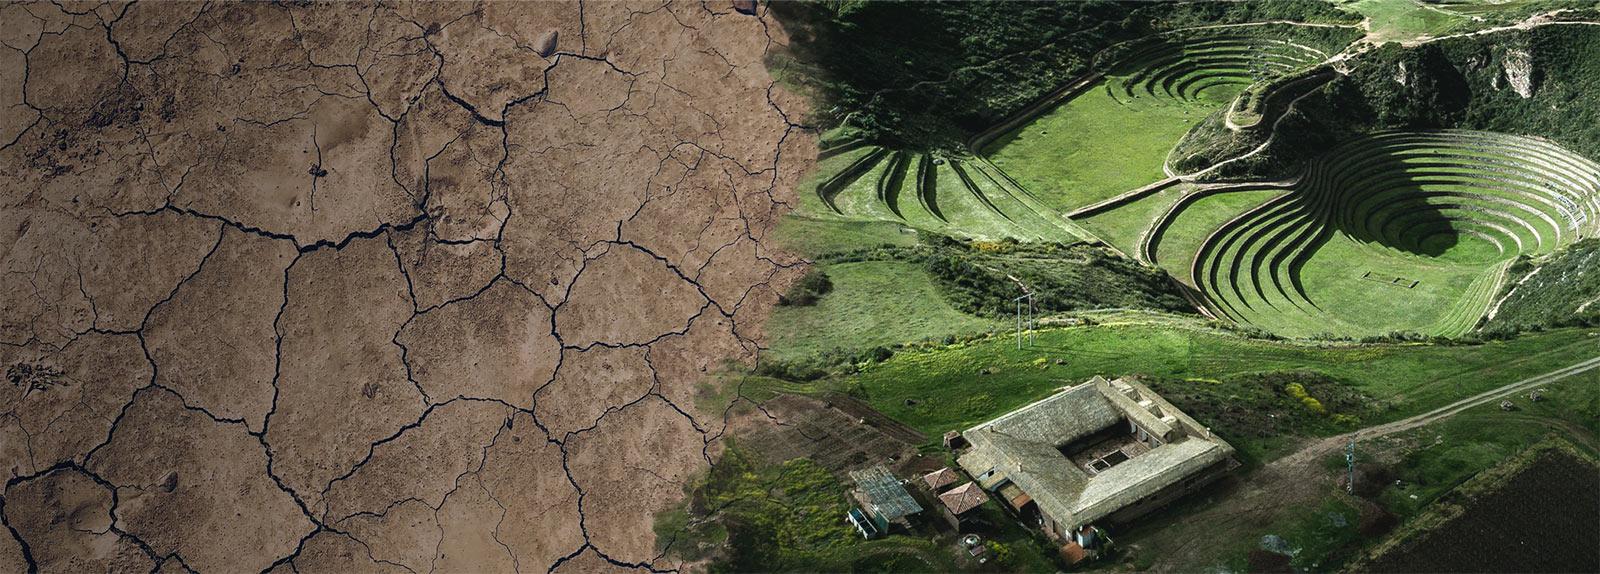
column 951, row 196
column 1393, row 217
column 1188, row 70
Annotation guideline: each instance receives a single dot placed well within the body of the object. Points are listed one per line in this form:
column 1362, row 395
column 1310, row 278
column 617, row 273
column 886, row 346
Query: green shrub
column 1296, row 390
column 984, row 282
column 808, row 289
column 1001, row 553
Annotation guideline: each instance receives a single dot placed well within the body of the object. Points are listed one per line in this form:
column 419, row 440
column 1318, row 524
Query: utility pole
column 1350, row 466
column 1033, row 332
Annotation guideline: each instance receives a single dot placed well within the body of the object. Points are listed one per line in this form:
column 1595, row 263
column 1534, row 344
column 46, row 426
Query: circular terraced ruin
column 1190, row 69
column 1394, row 213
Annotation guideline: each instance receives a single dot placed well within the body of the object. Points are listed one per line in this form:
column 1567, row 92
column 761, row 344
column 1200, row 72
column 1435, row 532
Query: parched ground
column 403, row 287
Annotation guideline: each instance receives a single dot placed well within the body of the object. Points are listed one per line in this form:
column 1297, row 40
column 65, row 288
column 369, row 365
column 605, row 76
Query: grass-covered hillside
column 941, row 288
column 923, row 75
column 1116, row 134
column 1563, row 288
column 943, row 387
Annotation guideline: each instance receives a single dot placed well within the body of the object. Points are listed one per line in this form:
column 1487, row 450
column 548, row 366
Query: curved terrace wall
column 1415, row 196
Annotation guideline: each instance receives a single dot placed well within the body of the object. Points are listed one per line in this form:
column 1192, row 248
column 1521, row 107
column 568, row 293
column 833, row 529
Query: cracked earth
column 398, row 287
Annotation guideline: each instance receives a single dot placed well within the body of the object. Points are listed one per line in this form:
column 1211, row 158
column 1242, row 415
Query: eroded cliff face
column 356, row 287
column 1517, row 64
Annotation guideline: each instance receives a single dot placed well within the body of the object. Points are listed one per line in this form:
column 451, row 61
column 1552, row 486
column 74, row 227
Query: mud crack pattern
column 399, row 287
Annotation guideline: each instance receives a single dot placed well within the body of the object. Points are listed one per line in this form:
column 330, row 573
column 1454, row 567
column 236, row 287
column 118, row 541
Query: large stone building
column 1102, row 451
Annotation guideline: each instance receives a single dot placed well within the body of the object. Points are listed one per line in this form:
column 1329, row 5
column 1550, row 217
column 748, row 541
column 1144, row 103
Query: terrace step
column 1402, row 196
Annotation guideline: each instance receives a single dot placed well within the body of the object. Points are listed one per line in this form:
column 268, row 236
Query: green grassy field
column 949, row 391
column 1122, row 227
column 872, row 303
column 1436, row 460
column 1094, row 146
column 1404, row 20
column 948, row 196
column 812, row 236
column 1483, row 436
column 1352, row 303
column 1116, row 135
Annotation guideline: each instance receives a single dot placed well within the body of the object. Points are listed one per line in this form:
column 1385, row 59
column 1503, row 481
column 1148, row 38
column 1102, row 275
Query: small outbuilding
column 960, row 502
column 882, row 499
column 939, row 479
column 953, row 440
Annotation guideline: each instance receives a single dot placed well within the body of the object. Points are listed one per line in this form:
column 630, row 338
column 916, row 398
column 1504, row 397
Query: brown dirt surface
column 181, row 477
column 836, row 432
column 357, row 287
column 71, row 514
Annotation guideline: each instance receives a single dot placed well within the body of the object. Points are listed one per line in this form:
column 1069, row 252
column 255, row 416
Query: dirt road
column 1295, row 479
column 1329, row 444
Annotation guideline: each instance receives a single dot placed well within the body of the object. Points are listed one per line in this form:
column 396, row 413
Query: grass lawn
column 950, row 393
column 1121, row 227
column 1488, row 7
column 1093, row 147
column 968, row 215
column 1403, row 20
column 978, row 206
column 1351, row 305
column 812, row 236
column 872, row 303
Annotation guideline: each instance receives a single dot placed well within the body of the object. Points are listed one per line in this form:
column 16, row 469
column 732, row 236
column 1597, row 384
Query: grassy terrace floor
column 1094, row 147
column 1122, row 227
column 1336, row 279
column 813, row 236
column 948, row 391
column 1403, row 20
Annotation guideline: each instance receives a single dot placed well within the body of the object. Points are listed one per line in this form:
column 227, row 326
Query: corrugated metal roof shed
column 889, row 500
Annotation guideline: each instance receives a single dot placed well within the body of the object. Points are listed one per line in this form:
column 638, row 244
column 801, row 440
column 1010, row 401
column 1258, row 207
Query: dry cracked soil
column 395, row 287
